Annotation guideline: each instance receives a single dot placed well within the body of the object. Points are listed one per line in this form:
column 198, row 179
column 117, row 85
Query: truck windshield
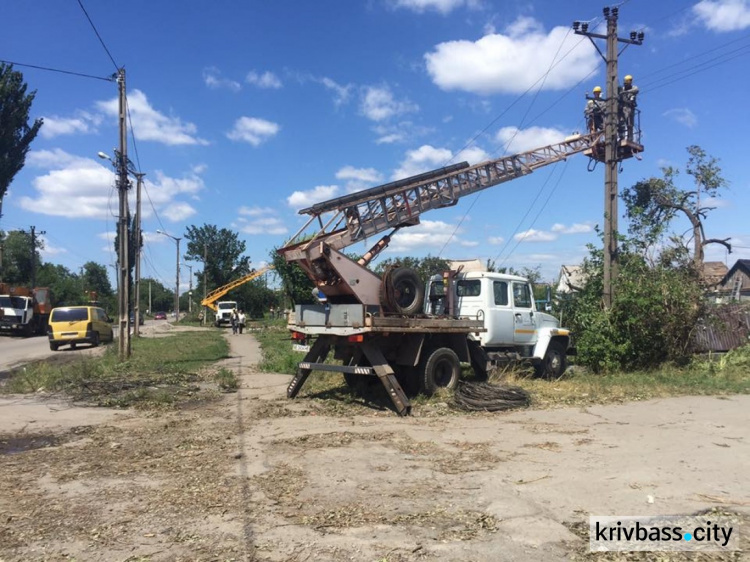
column 69, row 314
column 13, row 302
column 227, row 305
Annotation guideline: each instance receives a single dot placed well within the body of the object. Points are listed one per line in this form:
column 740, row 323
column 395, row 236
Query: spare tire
column 404, row 291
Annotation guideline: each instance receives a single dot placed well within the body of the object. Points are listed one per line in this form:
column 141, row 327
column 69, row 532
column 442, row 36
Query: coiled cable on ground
column 486, row 397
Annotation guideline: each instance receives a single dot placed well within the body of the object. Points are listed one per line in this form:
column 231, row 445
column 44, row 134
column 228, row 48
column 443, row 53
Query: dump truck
column 24, row 311
column 413, row 334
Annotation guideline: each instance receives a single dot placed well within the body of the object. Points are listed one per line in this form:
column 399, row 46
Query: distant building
column 468, row 265
column 736, row 283
column 713, row 274
column 571, row 279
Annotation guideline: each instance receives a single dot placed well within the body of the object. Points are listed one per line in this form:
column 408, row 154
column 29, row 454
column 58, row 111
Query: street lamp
column 177, row 284
column 190, row 290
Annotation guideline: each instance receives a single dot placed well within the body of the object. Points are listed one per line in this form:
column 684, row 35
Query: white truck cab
column 224, row 312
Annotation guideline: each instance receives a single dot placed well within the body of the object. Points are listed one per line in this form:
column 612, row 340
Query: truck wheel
column 554, row 363
column 95, row 340
column 441, row 370
column 404, row 291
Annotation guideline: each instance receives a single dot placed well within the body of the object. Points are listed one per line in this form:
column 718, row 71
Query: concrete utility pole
column 177, row 283
column 205, row 289
column 33, row 254
column 123, row 184
column 139, row 245
column 611, row 146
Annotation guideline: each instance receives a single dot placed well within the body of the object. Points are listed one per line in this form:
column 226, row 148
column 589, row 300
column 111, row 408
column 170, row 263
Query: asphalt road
column 15, row 351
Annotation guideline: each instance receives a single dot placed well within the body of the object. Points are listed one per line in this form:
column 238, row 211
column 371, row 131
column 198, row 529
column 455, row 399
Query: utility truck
column 414, row 334
column 24, row 311
column 223, row 309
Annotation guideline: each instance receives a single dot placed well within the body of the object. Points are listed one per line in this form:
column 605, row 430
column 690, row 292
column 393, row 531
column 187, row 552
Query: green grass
column 161, row 371
column 718, row 375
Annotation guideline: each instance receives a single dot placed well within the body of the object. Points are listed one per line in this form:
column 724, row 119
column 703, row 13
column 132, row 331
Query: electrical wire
column 106, row 50
column 37, row 67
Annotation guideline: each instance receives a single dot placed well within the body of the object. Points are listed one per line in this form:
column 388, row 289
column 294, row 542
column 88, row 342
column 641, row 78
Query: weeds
column 226, row 380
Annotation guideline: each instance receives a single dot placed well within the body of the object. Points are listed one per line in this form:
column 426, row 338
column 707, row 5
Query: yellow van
column 78, row 324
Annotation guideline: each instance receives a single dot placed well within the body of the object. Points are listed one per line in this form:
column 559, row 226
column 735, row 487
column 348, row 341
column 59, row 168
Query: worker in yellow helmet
column 628, row 93
column 594, row 111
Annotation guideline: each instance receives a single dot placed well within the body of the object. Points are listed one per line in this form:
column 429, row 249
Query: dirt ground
column 253, row 476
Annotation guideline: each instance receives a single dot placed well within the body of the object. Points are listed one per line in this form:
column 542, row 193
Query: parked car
column 140, row 318
column 160, row 316
column 71, row 325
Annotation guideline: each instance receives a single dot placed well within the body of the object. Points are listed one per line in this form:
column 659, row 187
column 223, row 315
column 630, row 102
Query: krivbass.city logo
column 666, row 533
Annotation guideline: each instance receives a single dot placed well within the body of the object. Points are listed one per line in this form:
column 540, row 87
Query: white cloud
column 150, row 125
column 472, row 155
column 253, row 130
column 723, row 15
column 421, row 160
column 359, row 176
column 255, row 211
column 682, row 115
column 513, row 62
column 302, row 199
column 390, row 138
column 341, row 93
column 178, row 211
column 55, row 126
column 76, row 187
column 532, row 235
column 265, row 225
column 442, row 6
column 715, row 202
column 213, row 79
column 577, row 228
column 50, row 250
column 265, row 80
column 495, row 240
column 516, row 140
column 428, row 235
column 378, row 104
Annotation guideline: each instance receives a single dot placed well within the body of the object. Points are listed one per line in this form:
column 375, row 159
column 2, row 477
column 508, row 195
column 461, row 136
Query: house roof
column 571, row 278
column 739, row 265
column 714, row 272
column 468, row 265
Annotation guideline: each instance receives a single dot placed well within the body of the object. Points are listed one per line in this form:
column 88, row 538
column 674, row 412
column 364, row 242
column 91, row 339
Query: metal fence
column 725, row 327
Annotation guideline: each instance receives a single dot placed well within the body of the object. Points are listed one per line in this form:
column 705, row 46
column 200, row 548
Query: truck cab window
column 500, row 288
column 521, row 295
column 469, row 288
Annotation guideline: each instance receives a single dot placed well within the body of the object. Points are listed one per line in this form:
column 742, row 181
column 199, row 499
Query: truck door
column 524, row 332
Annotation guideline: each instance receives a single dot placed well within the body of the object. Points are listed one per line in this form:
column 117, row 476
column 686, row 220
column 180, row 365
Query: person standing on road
column 233, row 321
column 241, row 321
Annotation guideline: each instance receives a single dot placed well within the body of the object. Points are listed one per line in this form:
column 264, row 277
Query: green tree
column 223, row 250
column 17, row 262
column 425, row 267
column 653, row 203
column 15, row 133
column 295, row 284
column 65, row 286
column 162, row 298
column 94, row 277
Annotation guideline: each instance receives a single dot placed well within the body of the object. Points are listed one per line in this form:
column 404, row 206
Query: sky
column 243, row 113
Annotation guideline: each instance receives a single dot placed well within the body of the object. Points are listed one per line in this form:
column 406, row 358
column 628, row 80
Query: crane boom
column 216, row 294
column 392, row 206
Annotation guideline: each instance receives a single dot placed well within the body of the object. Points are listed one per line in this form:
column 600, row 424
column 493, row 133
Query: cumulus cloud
column 427, row 236
column 56, row 126
column 495, row 240
column 213, row 79
column 253, row 130
column 683, row 116
column 358, row 178
column 577, row 228
column 427, row 157
column 516, row 140
column 723, row 15
column 263, row 220
column 441, row 6
column 532, row 235
column 514, row 61
column 266, row 80
column 341, row 93
column 302, row 199
column 255, row 211
column 76, row 187
column 379, row 104
column 151, row 125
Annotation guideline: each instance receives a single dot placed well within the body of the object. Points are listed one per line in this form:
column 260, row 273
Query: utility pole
column 612, row 155
column 139, row 245
column 205, row 289
column 33, row 254
column 177, row 285
column 150, row 310
column 123, row 183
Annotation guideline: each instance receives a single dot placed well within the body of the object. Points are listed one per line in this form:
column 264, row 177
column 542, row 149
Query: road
column 15, row 351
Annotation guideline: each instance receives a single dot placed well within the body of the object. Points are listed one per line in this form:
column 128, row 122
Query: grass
column 718, row 375
column 160, row 372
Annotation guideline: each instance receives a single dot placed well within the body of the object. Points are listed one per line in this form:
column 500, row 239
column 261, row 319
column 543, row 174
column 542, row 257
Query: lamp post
column 190, row 290
column 177, row 283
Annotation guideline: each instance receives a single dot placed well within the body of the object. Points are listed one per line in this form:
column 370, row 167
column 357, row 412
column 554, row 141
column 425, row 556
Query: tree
column 223, row 250
column 425, row 267
column 64, row 285
column 17, row 265
column 94, row 278
column 15, row 134
column 295, row 283
column 652, row 204
column 161, row 298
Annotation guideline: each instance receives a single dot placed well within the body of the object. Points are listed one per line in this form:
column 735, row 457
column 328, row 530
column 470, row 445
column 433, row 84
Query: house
column 736, row 282
column 570, row 280
column 468, row 265
column 713, row 274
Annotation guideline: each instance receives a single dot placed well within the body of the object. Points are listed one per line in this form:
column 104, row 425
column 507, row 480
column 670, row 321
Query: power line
column 117, row 67
column 81, row 74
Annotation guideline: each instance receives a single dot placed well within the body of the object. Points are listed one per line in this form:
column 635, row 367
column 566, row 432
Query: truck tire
column 95, row 340
column 554, row 363
column 404, row 291
column 442, row 369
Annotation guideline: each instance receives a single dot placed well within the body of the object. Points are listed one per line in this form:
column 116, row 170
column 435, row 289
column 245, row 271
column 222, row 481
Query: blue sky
column 245, row 112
